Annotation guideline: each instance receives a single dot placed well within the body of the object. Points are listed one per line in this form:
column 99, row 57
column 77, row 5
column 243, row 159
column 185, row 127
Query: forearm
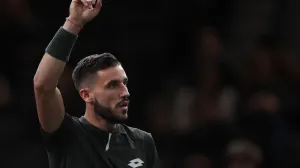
column 52, row 66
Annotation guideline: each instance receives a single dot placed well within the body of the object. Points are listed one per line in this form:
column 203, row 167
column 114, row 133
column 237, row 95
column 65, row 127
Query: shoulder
column 65, row 131
column 63, row 136
column 136, row 133
column 66, row 125
column 73, row 122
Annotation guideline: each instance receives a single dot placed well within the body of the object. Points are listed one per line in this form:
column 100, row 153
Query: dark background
column 216, row 82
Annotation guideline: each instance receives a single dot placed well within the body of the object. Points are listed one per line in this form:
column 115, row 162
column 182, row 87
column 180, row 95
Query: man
column 99, row 139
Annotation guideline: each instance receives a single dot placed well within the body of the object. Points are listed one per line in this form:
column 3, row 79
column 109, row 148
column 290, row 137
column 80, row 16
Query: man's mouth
column 123, row 104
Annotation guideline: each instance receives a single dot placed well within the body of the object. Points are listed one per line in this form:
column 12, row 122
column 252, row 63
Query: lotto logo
column 136, row 163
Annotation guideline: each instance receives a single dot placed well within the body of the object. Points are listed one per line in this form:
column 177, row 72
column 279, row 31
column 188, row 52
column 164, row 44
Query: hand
column 82, row 11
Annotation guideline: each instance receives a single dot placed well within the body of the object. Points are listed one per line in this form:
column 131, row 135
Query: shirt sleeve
column 60, row 138
column 152, row 154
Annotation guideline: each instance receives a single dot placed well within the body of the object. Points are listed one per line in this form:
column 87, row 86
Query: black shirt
column 79, row 144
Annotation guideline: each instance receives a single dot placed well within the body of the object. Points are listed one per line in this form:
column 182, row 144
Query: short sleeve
column 152, row 155
column 61, row 137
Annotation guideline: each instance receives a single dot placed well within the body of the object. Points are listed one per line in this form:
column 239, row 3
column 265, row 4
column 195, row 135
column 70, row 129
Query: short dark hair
column 90, row 65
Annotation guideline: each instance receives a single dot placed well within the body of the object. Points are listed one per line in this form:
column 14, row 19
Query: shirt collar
column 119, row 129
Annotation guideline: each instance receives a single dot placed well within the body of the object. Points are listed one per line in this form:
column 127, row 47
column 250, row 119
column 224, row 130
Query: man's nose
column 125, row 92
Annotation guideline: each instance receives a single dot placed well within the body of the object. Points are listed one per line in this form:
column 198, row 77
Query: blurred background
column 215, row 81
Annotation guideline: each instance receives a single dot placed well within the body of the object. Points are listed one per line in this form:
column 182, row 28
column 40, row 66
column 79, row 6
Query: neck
column 99, row 121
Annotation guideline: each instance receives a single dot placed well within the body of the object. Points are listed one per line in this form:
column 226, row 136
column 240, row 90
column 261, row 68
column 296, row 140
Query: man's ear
column 85, row 94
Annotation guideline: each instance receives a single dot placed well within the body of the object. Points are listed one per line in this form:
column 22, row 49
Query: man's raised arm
column 49, row 102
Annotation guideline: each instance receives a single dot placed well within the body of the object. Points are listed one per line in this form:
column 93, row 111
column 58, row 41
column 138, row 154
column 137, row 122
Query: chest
column 118, row 151
column 126, row 156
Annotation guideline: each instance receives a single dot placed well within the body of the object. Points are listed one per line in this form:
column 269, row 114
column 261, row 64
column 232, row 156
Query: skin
column 107, row 98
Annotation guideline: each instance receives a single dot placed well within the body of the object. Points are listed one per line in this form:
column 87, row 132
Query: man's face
column 110, row 94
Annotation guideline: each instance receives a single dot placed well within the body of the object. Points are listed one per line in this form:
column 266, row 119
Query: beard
column 107, row 113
